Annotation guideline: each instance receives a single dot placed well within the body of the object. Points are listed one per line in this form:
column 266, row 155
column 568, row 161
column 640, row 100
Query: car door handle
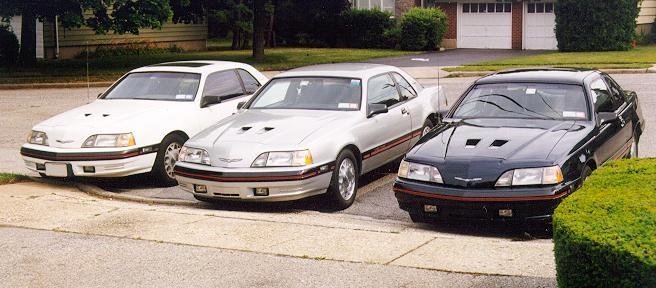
column 405, row 111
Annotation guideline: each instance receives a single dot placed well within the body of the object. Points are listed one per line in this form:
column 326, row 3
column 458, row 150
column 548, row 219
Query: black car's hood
column 485, row 148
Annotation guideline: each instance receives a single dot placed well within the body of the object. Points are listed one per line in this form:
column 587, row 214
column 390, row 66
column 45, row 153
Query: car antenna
column 88, row 81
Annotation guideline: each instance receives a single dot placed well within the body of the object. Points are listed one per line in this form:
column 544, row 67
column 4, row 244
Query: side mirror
column 607, row 118
column 375, row 109
column 441, row 114
column 209, row 101
column 240, row 105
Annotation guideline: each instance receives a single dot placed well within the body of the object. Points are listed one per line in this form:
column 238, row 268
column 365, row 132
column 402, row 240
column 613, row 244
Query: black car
column 518, row 142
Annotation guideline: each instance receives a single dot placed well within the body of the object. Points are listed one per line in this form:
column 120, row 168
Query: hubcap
column 170, row 157
column 425, row 131
column 346, row 179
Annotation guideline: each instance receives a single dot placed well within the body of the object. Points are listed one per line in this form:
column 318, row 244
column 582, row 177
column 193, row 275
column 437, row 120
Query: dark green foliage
column 653, row 32
column 605, row 233
column 8, row 47
column 130, row 50
column 593, row 25
column 423, row 28
column 308, row 22
column 392, row 37
column 364, row 28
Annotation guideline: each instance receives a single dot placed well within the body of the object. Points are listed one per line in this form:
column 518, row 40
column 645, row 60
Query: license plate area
column 57, row 169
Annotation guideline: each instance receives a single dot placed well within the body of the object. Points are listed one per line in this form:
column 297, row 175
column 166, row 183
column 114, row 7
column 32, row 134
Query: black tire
column 335, row 196
column 417, row 217
column 428, row 124
column 587, row 171
column 159, row 172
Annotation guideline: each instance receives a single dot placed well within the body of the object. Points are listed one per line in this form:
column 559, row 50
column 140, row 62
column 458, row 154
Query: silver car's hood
column 243, row 137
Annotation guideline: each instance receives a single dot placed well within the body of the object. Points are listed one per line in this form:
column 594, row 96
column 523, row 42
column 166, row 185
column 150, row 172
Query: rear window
column 524, row 100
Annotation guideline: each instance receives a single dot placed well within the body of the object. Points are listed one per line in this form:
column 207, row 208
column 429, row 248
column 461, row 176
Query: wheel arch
column 356, row 152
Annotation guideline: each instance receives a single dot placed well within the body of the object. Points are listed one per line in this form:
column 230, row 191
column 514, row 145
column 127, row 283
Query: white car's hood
column 71, row 128
column 246, row 135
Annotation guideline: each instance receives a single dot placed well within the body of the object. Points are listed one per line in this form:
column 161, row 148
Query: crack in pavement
column 410, row 251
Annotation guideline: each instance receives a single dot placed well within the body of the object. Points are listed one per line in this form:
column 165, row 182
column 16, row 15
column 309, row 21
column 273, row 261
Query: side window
column 382, row 90
column 603, row 101
column 222, row 83
column 407, row 91
column 615, row 91
column 250, row 83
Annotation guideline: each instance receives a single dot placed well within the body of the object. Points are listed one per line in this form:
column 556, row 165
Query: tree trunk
column 259, row 25
column 28, row 37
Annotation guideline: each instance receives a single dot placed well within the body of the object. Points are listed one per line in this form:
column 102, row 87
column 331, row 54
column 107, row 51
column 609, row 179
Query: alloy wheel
column 170, row 157
column 346, row 179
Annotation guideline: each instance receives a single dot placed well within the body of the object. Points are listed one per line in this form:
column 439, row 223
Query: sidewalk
column 306, row 234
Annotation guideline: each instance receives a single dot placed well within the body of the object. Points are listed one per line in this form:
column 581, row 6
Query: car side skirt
column 391, row 144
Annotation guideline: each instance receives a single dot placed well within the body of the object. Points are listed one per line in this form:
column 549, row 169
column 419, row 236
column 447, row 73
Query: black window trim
column 243, row 86
column 397, row 91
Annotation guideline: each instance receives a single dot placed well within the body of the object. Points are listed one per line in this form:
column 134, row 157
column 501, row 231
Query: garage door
column 485, row 25
column 539, row 24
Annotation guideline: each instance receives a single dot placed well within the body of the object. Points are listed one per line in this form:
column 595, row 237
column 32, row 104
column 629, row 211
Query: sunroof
column 182, row 64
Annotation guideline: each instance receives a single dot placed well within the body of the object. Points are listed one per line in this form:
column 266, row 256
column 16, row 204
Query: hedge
column 364, row 28
column 593, row 25
column 423, row 28
column 605, row 233
column 9, row 47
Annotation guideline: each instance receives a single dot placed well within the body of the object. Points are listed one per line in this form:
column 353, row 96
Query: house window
column 465, row 8
column 497, row 7
column 384, row 5
column 540, row 7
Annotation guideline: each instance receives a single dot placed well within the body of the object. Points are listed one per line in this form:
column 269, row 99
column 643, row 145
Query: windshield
column 524, row 100
column 164, row 86
column 312, row 93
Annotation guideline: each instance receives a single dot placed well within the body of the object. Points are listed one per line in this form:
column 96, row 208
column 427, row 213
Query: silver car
column 310, row 131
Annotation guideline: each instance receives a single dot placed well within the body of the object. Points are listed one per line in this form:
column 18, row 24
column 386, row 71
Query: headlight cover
column 194, row 155
column 531, row 176
column 109, row 141
column 38, row 138
column 283, row 159
column 421, row 172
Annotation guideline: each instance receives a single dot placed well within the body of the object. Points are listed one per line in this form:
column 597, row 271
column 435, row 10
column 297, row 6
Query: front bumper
column 240, row 184
column 112, row 163
column 455, row 203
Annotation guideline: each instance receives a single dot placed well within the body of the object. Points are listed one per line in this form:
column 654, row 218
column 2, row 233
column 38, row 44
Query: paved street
column 454, row 57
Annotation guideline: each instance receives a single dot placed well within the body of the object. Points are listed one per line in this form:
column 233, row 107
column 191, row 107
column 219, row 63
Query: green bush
column 9, row 47
column 392, row 37
column 593, row 25
column 423, row 28
column 129, row 50
column 364, row 28
column 605, row 233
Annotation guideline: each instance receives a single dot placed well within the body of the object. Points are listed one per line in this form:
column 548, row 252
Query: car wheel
column 344, row 182
column 166, row 158
column 587, row 171
column 417, row 217
column 428, row 125
column 634, row 148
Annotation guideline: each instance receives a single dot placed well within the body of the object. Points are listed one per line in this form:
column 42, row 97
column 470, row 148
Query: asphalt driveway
column 455, row 57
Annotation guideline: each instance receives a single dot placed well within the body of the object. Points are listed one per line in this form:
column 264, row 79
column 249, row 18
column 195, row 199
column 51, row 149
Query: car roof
column 539, row 75
column 197, row 66
column 348, row 70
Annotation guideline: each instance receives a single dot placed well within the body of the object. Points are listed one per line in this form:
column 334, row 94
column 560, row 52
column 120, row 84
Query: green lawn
column 110, row 68
column 640, row 57
column 7, row 178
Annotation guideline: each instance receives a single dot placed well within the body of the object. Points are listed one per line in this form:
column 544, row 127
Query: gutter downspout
column 56, row 37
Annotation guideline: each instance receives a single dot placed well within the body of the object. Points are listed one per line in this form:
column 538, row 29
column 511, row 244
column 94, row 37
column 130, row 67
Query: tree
column 259, row 27
column 127, row 16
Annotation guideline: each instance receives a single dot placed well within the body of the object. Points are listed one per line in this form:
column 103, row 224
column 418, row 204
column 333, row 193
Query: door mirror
column 441, row 114
column 210, row 100
column 240, row 105
column 375, row 109
column 607, row 118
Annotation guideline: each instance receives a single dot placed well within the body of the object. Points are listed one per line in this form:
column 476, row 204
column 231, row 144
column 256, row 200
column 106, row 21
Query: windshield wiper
column 514, row 102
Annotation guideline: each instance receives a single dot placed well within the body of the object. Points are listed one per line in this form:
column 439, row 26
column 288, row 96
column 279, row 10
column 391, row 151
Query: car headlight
column 194, row 155
column 109, row 140
column 531, row 176
column 37, row 137
column 283, row 159
column 420, row 172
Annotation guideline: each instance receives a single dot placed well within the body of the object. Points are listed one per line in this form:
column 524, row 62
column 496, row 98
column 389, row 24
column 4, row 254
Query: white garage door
column 539, row 24
column 485, row 25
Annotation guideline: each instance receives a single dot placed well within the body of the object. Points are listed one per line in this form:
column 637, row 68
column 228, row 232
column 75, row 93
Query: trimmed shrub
column 392, row 37
column 605, row 233
column 130, row 50
column 364, row 28
column 423, row 28
column 9, row 47
column 593, row 25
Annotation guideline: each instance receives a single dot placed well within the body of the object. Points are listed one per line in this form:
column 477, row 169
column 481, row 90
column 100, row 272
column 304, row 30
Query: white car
column 140, row 123
column 310, row 131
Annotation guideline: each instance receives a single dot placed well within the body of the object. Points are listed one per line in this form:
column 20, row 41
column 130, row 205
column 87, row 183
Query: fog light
column 261, row 191
column 200, row 188
column 89, row 169
column 40, row 166
column 505, row 212
column 430, row 208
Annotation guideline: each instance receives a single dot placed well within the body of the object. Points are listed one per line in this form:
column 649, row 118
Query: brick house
column 498, row 24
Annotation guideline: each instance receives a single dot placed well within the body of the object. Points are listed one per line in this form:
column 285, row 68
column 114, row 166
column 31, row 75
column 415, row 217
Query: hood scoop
column 243, row 130
column 264, row 130
column 498, row 143
column 105, row 115
column 472, row 143
column 87, row 114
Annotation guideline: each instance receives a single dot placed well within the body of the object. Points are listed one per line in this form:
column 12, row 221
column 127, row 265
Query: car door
column 609, row 137
column 625, row 112
column 385, row 136
column 228, row 85
column 414, row 106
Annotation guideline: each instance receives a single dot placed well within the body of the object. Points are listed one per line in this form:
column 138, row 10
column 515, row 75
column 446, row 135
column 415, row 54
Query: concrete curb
column 456, row 74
